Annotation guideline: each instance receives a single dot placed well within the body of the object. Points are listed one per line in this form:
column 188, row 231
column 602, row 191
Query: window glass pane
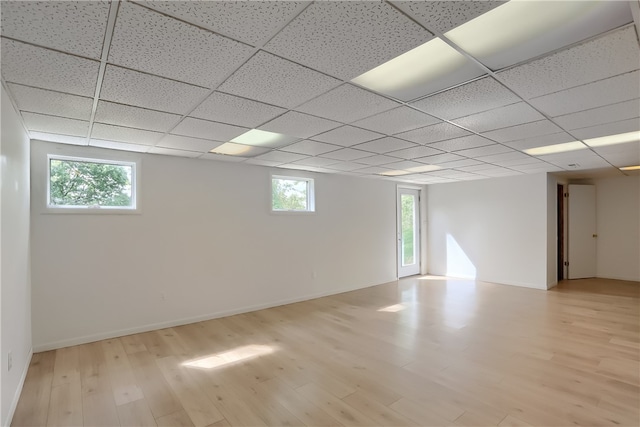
column 290, row 194
column 75, row 183
column 408, row 228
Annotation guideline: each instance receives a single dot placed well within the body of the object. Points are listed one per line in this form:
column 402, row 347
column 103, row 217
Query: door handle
column 595, row 236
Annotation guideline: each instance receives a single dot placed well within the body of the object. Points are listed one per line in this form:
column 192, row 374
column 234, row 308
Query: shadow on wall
column 458, row 263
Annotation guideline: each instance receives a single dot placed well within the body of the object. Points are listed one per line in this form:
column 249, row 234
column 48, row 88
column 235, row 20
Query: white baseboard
column 16, row 396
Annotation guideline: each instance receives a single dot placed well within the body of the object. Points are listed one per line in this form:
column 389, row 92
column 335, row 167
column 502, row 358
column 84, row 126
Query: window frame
column 135, row 180
column 311, row 195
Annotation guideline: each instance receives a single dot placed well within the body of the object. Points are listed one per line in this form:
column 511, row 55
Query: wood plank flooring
column 423, row 351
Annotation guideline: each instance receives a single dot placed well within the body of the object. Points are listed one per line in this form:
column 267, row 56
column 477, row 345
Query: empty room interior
column 322, row 213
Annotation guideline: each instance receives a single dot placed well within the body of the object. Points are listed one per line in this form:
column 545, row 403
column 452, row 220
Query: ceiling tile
column 371, row 170
column 144, row 90
column 501, row 117
column 61, row 25
column 170, row 152
column 347, row 136
column 53, row 124
column 541, row 141
column 52, row 103
column 259, row 162
column 515, row 163
column 47, row 69
column 124, row 115
column 415, row 152
column 621, row 154
column 612, row 54
column 316, row 161
column 345, row 166
column 475, row 168
column 347, row 154
column 224, row 108
column 124, row 134
column 471, row 141
column 585, row 159
column 222, row 158
column 252, row 22
column 433, row 133
column 601, row 115
column 378, row 160
column 398, row 120
column 274, row 80
column 440, row 158
column 311, row 148
column 485, row 151
column 543, row 167
column 346, row 39
column 298, row 124
column 614, row 128
column 149, row 41
column 496, row 172
column 460, row 163
column 604, row 92
column 207, row 130
column 385, row 145
column 527, row 130
column 62, row 139
column 403, row 165
column 186, row 143
column 113, row 145
column 474, row 97
column 281, row 157
column 442, row 16
column 505, row 157
column 347, row 103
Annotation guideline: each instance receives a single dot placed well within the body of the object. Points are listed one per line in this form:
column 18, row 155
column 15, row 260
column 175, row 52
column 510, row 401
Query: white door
column 408, row 232
column 582, row 231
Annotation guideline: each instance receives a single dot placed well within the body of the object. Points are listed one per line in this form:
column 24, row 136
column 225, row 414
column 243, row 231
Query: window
column 291, row 194
column 91, row 184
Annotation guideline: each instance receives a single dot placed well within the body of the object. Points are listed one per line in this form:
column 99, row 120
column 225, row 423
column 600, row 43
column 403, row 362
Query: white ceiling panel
column 207, row 130
column 224, row 108
column 346, row 154
column 144, row 90
column 398, row 120
column 62, row 139
column 527, row 130
column 47, row 69
column 415, row 152
column 385, row 145
column 347, row 104
column 281, row 157
column 189, row 144
column 113, row 145
column 458, row 175
column 485, row 151
column 516, row 163
column 258, row 162
column 460, row 163
column 222, row 158
column 475, row 168
column 300, row 125
column 612, row 54
column 540, row 141
column 61, row 25
column 501, row 117
column 433, row 133
column 604, row 92
column 403, row 164
column 614, row 128
column 345, row 166
column 141, row 118
column 378, row 160
column 501, row 158
column 474, row 97
column 310, row 148
column 52, row 103
column 170, row 152
column 471, row 141
column 347, row 38
column 53, row 124
column 621, row 154
column 584, row 159
column 442, row 16
column 347, row 136
column 316, row 162
column 276, row 81
column 149, row 41
column 124, row 134
column 496, row 172
column 252, row 22
column 371, row 170
column 544, row 167
column 597, row 116
column 440, row 158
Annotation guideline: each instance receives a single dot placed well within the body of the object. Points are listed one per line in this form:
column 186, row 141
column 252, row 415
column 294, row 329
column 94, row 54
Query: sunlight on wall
column 240, row 354
column 458, row 263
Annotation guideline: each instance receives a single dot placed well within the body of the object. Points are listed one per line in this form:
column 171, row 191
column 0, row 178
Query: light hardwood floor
column 445, row 352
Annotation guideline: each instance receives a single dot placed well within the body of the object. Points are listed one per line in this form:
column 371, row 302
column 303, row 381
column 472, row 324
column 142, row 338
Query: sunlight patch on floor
column 240, row 354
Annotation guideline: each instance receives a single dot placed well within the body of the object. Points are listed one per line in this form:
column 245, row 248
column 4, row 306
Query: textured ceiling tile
column 259, row 162
column 541, row 141
column 520, row 158
column 433, row 133
column 345, row 166
column 52, row 124
column 378, row 160
column 171, row 152
column 347, row 38
column 148, row 41
column 612, row 54
column 281, row 157
column 347, row 136
column 385, row 145
column 298, row 124
column 460, row 163
column 316, row 161
column 62, row 139
column 372, row 170
column 123, row 134
column 498, row 118
column 475, row 97
column 113, row 145
column 71, row 26
column 476, row 167
column 35, row 66
column 471, row 141
column 405, row 164
column 52, row 103
column 586, row 159
column 311, row 148
column 609, row 91
column 440, row 158
column 224, row 108
column 124, row 115
column 614, row 128
column 415, row 152
column 187, row 143
column 143, row 90
column 347, row 103
column 442, row 16
column 277, row 81
column 485, row 151
column 208, row 130
column 621, row 155
column 602, row 115
column 347, row 154
column 398, row 120
column 252, row 22
column 527, row 130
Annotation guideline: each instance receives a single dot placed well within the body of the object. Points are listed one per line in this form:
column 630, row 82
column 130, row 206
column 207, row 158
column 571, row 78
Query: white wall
column 15, row 288
column 493, row 229
column 618, row 225
column 206, row 240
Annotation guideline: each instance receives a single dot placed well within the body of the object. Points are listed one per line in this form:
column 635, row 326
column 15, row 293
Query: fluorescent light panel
column 262, row 138
column 556, row 148
column 522, row 29
column 620, row 138
column 233, row 149
column 630, row 168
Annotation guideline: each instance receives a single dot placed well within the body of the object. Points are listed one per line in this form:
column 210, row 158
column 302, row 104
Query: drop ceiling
column 181, row 78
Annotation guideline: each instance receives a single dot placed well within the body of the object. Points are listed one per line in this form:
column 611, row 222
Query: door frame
column 418, row 237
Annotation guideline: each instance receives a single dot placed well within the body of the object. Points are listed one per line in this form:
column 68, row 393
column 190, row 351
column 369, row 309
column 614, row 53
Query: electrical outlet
column 9, row 361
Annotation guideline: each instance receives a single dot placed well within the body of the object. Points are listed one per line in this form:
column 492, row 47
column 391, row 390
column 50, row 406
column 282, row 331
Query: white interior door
column 582, row 231
column 408, row 232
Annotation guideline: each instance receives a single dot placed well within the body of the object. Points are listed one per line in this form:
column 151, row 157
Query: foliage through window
column 88, row 183
column 292, row 194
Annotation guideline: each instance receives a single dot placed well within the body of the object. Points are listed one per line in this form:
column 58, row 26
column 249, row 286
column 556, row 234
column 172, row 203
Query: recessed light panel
column 262, row 138
column 556, row 148
column 630, row 168
column 613, row 139
column 233, row 149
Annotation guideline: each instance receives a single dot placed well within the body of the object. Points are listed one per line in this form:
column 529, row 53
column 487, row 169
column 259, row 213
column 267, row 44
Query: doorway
column 408, row 231
column 560, row 228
